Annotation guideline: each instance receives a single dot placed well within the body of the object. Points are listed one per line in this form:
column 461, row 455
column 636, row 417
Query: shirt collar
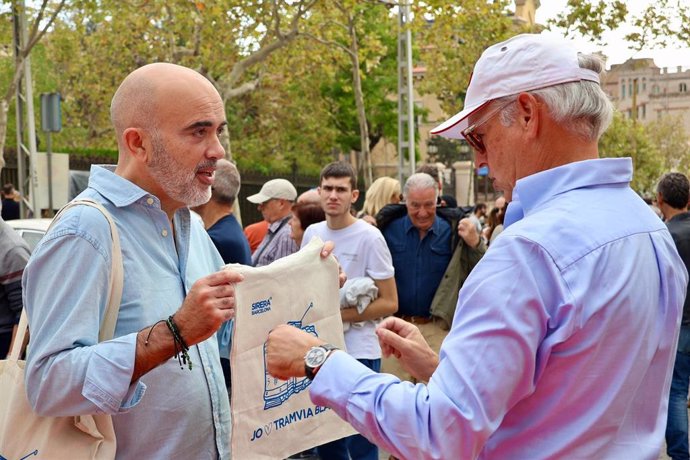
column 116, row 189
column 533, row 191
column 278, row 223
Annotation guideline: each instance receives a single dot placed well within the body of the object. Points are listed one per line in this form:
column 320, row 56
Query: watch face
column 315, row 357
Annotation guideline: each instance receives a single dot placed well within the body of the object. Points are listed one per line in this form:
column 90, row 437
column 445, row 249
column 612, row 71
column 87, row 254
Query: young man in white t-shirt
column 361, row 251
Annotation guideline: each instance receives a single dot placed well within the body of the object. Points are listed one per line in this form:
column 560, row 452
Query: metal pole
column 49, row 156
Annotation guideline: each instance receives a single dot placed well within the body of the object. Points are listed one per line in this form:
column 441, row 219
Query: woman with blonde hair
column 383, row 191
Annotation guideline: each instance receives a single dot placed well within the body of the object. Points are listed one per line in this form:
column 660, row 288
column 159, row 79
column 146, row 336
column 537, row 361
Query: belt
column 417, row 319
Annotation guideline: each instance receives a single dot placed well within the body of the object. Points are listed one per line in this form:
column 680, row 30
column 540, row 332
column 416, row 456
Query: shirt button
column 149, row 200
column 164, row 232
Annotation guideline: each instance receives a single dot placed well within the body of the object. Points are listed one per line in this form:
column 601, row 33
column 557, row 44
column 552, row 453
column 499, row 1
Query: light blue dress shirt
column 170, row 412
column 562, row 344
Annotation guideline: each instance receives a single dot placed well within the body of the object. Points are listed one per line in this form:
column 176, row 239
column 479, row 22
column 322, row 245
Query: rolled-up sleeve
column 65, row 294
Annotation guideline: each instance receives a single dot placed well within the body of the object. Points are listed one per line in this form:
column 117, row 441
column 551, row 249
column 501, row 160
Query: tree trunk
column 4, row 107
column 359, row 102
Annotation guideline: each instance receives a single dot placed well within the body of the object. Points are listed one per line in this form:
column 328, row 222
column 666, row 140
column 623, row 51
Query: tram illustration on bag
column 277, row 391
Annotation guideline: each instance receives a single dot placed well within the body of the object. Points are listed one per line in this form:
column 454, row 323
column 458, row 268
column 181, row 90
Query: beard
column 178, row 183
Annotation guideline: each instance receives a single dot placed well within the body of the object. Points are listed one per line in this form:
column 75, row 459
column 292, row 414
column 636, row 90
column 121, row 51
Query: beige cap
column 276, row 188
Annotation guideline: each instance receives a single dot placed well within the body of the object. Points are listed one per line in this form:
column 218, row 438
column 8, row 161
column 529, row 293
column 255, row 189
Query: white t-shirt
column 361, row 251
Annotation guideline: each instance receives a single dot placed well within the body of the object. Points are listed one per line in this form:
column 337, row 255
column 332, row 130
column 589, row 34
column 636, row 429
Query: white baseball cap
column 525, row 62
column 275, row 188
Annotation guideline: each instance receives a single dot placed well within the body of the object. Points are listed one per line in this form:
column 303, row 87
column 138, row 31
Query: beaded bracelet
column 181, row 347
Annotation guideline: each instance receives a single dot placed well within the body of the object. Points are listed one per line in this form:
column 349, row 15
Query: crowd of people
column 553, row 324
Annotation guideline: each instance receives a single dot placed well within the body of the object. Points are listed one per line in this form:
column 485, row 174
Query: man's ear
column 659, row 200
column 528, row 112
column 355, row 195
column 133, row 140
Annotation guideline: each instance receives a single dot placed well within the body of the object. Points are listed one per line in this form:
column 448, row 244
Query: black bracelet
column 148, row 336
column 180, row 345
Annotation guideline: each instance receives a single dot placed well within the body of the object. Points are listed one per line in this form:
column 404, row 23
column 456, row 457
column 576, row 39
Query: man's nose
column 216, row 150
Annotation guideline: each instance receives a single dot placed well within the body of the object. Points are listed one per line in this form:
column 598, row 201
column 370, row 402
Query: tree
column 41, row 22
column 626, row 138
column 342, row 28
column 450, row 37
column 673, row 143
column 100, row 42
column 661, row 23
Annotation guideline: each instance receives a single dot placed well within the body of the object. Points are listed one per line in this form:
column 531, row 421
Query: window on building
column 623, row 90
column 655, row 89
column 644, row 111
column 683, row 87
column 644, row 85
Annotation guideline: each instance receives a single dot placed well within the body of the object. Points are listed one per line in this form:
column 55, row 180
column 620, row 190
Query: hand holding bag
column 273, row 418
column 24, row 434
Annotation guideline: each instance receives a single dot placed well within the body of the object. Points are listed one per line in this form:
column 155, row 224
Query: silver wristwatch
column 315, row 358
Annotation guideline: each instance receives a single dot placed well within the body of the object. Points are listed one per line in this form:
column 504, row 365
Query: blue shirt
column 419, row 263
column 169, row 412
column 229, row 239
column 562, row 344
column 232, row 244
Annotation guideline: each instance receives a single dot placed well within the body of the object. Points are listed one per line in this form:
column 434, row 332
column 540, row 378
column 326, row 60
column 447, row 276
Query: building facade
column 639, row 89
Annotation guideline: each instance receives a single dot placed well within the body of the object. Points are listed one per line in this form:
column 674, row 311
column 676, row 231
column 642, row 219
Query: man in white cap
column 564, row 336
column 275, row 203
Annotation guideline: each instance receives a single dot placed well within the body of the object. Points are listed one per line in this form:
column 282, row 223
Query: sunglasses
column 474, row 139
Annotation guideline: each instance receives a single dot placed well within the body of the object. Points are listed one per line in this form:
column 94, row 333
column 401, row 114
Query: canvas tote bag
column 272, row 418
column 25, row 435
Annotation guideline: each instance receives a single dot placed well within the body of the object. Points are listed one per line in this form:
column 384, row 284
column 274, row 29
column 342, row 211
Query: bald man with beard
column 167, row 120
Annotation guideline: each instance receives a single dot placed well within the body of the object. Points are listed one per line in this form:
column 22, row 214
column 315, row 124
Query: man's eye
column 200, row 132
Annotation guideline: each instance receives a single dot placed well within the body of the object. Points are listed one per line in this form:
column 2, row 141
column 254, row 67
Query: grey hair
column 419, row 181
column 226, row 185
column 581, row 106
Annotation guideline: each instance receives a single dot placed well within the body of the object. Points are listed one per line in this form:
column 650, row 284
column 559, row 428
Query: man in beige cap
column 275, row 203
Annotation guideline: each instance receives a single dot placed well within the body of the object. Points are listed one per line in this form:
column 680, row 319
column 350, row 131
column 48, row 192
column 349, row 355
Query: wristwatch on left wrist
column 315, row 358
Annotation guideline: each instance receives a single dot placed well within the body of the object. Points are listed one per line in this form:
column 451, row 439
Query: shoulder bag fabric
column 23, row 433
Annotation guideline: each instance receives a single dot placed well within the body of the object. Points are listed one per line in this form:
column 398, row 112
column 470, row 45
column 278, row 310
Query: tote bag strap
column 107, row 328
column 16, row 350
